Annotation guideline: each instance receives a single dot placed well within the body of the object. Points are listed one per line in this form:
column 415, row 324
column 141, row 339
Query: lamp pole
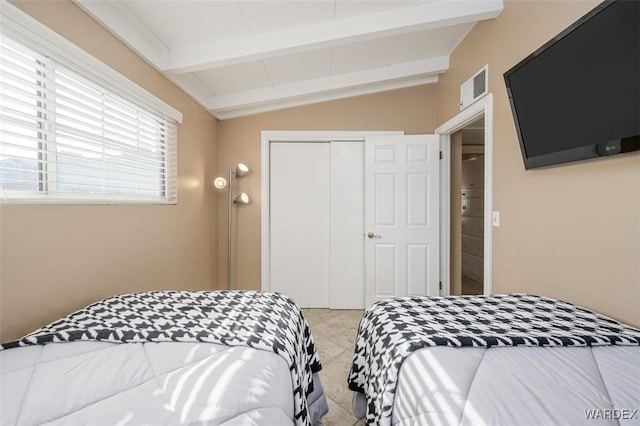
column 230, row 204
column 220, row 183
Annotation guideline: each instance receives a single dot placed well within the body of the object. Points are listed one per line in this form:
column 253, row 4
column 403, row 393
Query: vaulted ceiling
column 241, row 57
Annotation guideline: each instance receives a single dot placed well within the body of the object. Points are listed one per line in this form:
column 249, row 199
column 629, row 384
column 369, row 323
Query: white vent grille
column 474, row 88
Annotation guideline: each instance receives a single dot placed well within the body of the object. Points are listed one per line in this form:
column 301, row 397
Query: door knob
column 372, row 235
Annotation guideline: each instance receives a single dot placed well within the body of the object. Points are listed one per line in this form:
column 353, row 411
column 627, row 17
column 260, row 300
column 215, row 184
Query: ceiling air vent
column 474, row 88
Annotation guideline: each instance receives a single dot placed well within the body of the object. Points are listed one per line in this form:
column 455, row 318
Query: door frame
column 483, row 106
column 305, row 136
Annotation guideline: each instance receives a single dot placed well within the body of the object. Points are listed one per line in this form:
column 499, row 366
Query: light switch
column 496, row 219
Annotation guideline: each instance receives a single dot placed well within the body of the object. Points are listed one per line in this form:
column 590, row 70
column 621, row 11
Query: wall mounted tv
column 578, row 96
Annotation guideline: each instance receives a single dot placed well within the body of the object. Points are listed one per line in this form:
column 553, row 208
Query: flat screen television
column 578, row 96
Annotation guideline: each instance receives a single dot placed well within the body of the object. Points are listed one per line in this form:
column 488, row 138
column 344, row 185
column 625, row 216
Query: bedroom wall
column 58, row 258
column 411, row 110
column 571, row 232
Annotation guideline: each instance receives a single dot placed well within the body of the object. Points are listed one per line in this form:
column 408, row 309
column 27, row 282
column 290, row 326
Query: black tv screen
column 578, row 96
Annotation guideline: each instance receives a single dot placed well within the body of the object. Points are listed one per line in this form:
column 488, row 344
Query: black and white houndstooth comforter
column 392, row 329
column 260, row 320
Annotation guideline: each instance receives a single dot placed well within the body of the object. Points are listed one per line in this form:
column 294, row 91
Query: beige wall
column 55, row 259
column 571, row 232
column 410, row 110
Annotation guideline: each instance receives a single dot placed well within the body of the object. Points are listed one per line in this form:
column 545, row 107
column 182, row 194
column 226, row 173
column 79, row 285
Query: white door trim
column 458, row 122
column 269, row 136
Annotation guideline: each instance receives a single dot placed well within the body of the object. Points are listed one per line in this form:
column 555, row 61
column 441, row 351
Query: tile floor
column 334, row 332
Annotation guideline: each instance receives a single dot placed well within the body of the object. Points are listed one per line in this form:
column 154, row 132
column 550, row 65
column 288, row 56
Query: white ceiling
column 241, row 57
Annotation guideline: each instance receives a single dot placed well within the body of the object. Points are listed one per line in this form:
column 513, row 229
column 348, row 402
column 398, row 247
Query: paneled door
column 402, row 231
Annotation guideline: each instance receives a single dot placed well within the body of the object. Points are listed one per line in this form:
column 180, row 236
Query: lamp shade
column 242, row 198
column 220, row 182
column 241, row 169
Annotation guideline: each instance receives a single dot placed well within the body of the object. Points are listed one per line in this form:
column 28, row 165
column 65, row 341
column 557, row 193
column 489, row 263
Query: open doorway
column 467, row 209
column 477, row 118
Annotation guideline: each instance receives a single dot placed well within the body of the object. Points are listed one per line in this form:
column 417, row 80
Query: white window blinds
column 67, row 136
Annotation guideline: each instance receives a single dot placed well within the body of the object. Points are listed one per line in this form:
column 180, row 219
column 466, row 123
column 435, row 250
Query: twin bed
column 510, row 359
column 214, row 358
column 248, row 358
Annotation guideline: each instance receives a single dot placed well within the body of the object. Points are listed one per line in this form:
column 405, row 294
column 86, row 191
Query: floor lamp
column 242, row 198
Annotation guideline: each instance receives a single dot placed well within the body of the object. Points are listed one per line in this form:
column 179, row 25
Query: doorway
column 313, row 235
column 467, row 209
column 312, row 224
column 478, row 115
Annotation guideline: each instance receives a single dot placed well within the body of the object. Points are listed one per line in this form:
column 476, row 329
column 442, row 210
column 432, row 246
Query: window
column 74, row 131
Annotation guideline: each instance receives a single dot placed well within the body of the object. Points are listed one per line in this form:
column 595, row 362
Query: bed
column 511, row 359
column 167, row 357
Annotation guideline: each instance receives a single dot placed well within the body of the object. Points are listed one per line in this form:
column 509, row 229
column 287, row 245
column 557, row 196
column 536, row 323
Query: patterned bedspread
column 260, row 320
column 392, row 329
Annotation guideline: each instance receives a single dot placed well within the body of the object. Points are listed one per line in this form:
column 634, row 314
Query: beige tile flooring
column 334, row 332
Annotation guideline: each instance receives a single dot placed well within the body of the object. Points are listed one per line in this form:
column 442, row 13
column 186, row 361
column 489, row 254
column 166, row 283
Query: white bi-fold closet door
column 317, row 221
column 354, row 222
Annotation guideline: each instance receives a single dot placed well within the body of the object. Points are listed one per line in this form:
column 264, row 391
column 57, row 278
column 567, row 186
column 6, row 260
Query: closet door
column 300, row 222
column 347, row 226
